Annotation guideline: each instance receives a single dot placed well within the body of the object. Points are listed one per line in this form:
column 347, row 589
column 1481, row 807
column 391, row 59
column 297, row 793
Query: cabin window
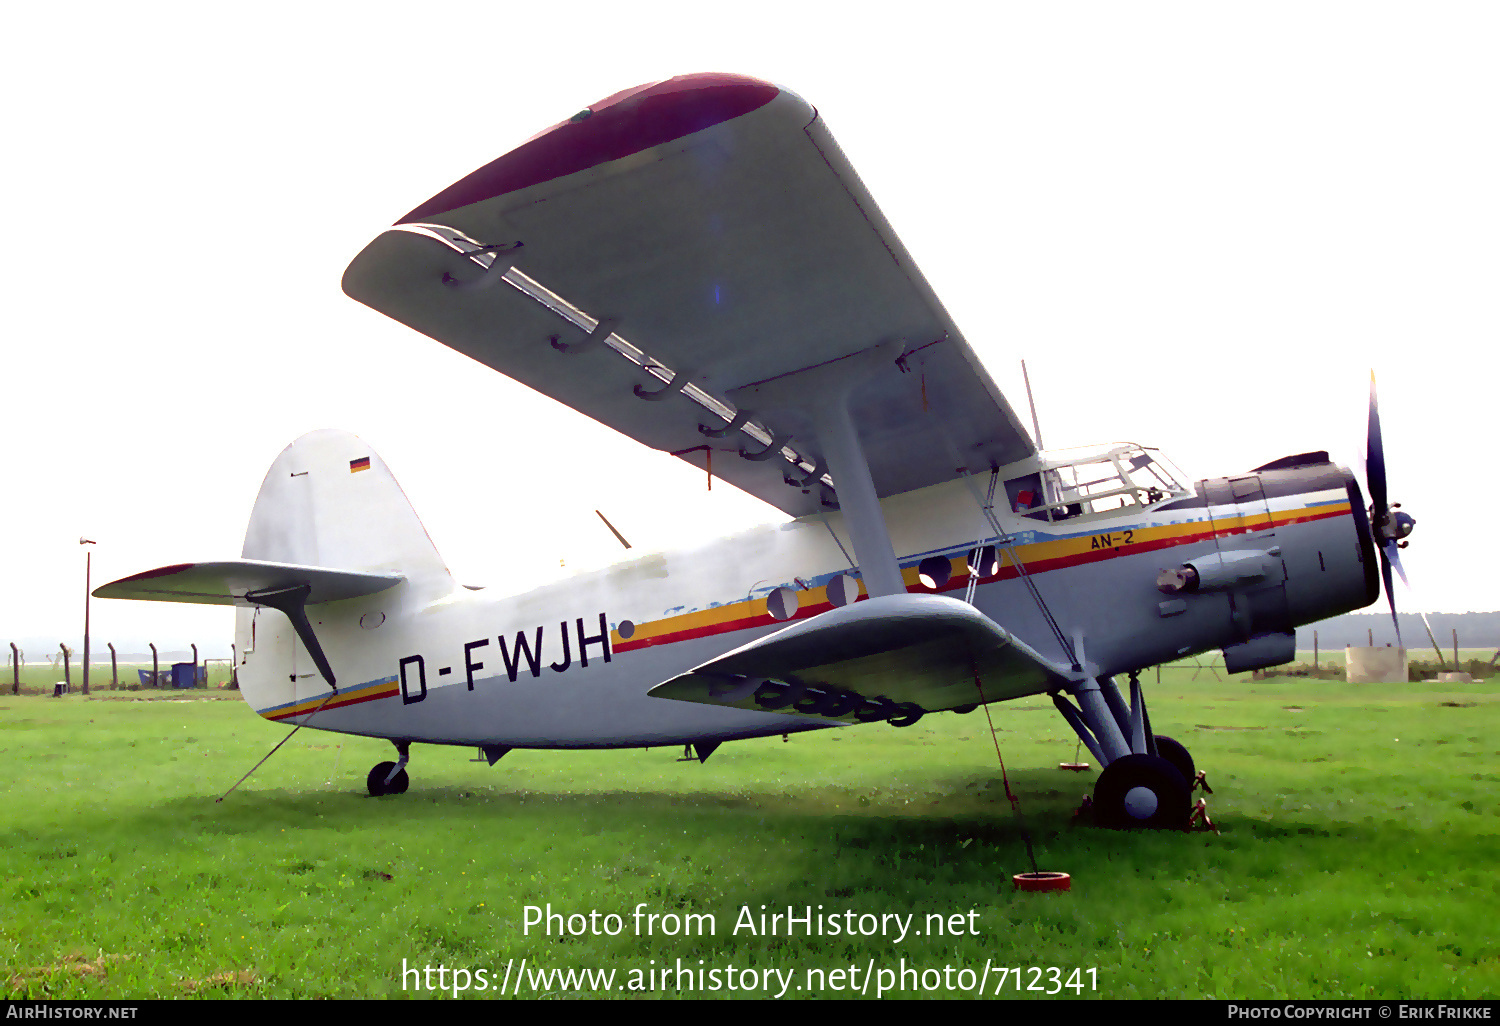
column 982, row 561
column 842, row 590
column 1120, row 478
column 782, row 604
column 1025, row 493
column 934, row 571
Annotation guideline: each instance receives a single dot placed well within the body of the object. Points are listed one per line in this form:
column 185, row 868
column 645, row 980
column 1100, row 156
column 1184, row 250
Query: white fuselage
column 569, row 664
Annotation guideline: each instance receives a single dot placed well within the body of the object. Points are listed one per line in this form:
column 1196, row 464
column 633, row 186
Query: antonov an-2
column 695, row 264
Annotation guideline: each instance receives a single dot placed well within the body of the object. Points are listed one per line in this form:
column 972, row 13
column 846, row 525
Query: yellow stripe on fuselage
column 375, row 689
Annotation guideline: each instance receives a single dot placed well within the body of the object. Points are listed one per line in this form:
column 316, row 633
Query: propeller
column 1387, row 521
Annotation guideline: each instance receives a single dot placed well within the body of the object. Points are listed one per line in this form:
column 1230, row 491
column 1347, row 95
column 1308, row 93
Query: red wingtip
column 161, row 571
column 627, row 122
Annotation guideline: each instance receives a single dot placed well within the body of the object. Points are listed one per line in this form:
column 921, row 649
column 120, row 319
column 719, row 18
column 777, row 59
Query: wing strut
column 857, row 499
column 823, row 393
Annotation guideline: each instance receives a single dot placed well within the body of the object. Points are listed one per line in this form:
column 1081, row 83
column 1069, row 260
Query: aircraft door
column 267, row 649
column 244, row 632
column 281, row 659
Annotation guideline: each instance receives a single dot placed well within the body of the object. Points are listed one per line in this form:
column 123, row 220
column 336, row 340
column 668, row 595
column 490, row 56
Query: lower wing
column 894, row 656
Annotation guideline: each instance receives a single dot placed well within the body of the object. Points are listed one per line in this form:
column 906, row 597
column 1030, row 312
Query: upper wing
column 697, row 238
column 864, row 659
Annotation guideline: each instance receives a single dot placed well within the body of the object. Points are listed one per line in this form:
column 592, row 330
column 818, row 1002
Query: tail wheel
column 1141, row 791
column 1178, row 756
column 376, row 785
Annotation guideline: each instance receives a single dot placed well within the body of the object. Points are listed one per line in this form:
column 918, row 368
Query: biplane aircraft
column 694, row 263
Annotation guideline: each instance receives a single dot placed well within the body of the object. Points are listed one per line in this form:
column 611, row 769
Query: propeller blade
column 1386, row 555
column 1392, row 551
column 1389, row 527
column 1375, row 457
column 1390, row 557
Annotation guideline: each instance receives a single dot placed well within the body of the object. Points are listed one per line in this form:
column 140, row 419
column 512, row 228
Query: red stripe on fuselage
column 289, row 713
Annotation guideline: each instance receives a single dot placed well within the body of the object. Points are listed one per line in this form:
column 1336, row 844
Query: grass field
column 1359, row 839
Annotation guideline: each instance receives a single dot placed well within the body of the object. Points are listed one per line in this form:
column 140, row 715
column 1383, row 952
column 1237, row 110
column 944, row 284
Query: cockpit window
column 1125, row 476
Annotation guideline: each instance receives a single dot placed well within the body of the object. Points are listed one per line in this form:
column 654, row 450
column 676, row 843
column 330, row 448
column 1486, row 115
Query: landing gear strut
column 1147, row 778
column 390, row 777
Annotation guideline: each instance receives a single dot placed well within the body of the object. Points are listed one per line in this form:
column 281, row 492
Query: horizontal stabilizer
column 864, row 660
column 227, row 582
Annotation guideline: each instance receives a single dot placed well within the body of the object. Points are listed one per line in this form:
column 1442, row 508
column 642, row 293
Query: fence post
column 114, row 668
column 67, row 654
column 88, row 576
column 1315, row 650
column 195, row 666
column 15, row 683
column 155, row 682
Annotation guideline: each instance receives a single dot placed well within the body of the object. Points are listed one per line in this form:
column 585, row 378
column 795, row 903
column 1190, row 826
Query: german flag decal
column 363, row 463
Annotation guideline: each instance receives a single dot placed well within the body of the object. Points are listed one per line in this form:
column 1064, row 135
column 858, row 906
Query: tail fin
column 330, row 524
column 330, row 501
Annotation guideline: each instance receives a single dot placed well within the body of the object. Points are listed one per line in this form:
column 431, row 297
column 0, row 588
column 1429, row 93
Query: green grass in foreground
column 1356, row 858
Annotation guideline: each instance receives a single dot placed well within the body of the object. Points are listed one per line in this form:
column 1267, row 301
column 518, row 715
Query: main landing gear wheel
column 1141, row 791
column 1178, row 756
column 376, row 785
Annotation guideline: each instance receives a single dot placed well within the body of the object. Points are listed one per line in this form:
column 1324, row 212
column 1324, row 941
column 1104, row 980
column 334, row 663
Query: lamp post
column 88, row 570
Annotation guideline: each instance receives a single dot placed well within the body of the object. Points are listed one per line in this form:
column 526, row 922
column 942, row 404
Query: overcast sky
column 1200, row 225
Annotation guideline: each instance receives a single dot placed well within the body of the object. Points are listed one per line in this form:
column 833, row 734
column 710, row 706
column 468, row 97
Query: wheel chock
column 1200, row 812
column 1042, row 881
